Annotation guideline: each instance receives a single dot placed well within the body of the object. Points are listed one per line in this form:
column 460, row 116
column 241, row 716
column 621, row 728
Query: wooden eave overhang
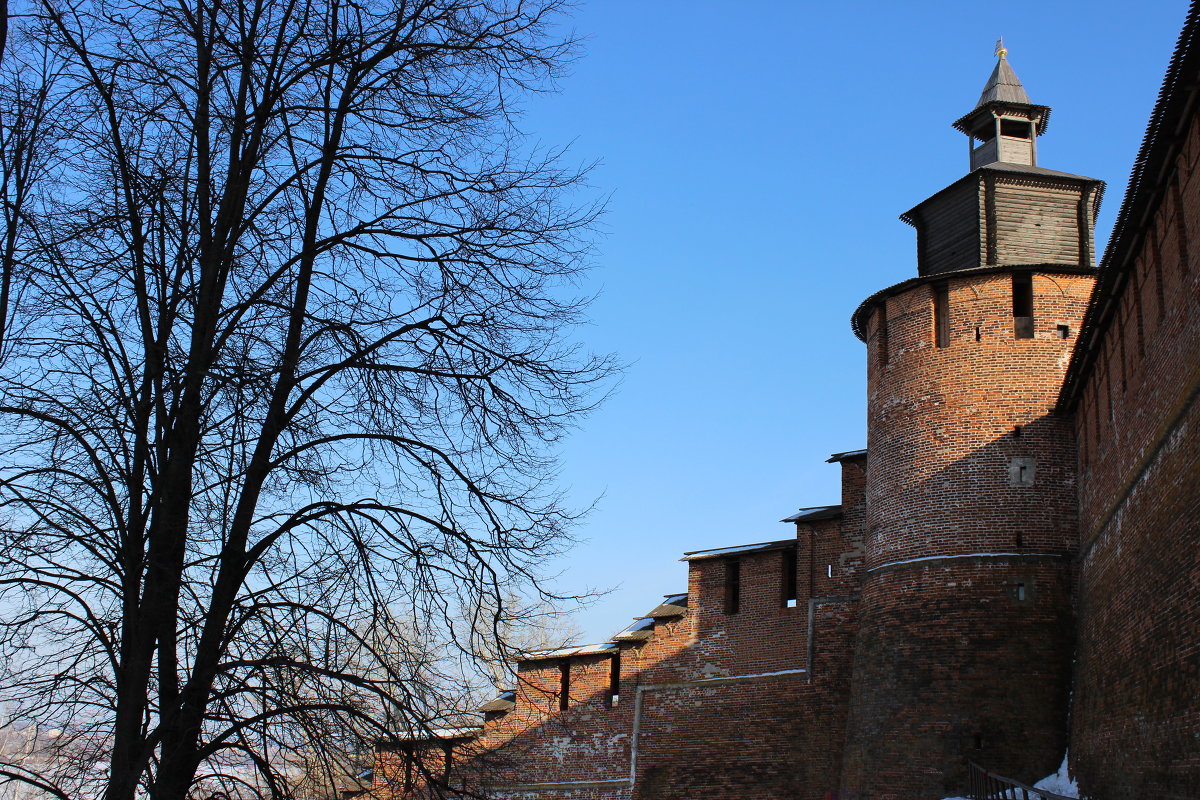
column 1029, row 111
column 1151, row 174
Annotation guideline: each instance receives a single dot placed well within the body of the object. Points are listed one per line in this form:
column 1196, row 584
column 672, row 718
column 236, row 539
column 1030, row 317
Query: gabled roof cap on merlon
column 761, row 547
column 640, row 630
column 506, row 701
column 673, row 605
column 815, row 514
column 603, row 648
column 439, row 734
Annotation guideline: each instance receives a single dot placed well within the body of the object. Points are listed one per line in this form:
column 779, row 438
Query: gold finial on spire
column 1001, row 50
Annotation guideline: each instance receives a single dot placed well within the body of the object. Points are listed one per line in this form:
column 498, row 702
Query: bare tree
column 288, row 363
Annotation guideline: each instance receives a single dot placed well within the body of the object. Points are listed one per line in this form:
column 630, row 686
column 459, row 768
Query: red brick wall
column 941, row 423
column 945, row 654
column 942, row 654
column 713, row 704
column 1136, row 713
column 764, row 636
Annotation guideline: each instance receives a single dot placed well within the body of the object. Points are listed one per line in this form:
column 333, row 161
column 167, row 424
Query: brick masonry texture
column 1136, row 714
column 945, row 423
column 948, row 665
column 1014, row 569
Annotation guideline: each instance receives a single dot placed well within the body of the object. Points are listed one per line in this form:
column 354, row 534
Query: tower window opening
column 1022, row 300
column 564, row 685
column 789, row 578
column 978, row 742
column 941, row 316
column 1019, row 592
column 1064, row 331
column 985, row 131
column 614, row 681
column 448, row 762
column 1016, row 128
column 733, row 586
column 1020, row 541
column 829, row 570
column 1022, row 471
column 978, row 334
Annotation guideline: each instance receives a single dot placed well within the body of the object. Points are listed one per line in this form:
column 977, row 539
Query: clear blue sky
column 757, row 155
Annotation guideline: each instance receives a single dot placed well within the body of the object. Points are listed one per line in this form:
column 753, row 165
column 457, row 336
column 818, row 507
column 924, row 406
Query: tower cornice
column 861, row 315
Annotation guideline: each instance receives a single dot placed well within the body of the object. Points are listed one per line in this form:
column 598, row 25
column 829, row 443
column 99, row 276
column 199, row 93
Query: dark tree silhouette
column 286, row 308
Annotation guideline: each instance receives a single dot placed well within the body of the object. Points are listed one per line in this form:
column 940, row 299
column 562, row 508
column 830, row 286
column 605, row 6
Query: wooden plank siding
column 1037, row 223
column 948, row 231
column 1004, row 217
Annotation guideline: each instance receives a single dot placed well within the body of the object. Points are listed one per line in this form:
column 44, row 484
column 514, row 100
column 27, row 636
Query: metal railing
column 987, row 785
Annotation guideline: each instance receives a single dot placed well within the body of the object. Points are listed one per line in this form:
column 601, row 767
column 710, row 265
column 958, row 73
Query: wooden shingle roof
column 1003, row 87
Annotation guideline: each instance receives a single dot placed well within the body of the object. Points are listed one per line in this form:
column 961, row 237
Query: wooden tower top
column 1005, row 124
column 1007, row 213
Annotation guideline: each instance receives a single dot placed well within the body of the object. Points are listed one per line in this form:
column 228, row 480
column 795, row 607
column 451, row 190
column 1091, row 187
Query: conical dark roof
column 1003, row 87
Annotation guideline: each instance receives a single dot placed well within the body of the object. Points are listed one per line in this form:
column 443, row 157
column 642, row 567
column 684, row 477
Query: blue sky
column 757, row 156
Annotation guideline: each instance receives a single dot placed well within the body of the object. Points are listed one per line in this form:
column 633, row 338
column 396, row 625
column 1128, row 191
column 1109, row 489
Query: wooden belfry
column 1007, row 211
column 1004, row 125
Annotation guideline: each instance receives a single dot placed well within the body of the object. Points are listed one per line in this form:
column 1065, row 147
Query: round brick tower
column 964, row 645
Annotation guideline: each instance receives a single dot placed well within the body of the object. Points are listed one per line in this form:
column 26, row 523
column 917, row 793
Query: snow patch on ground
column 1059, row 783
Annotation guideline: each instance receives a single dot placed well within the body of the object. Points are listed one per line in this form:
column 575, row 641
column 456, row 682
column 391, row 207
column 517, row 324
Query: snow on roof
column 440, row 733
column 639, row 630
column 505, row 701
column 673, row 605
column 568, row 652
column 696, row 555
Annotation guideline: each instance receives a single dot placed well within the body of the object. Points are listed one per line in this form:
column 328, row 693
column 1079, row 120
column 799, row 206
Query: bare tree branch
column 285, row 301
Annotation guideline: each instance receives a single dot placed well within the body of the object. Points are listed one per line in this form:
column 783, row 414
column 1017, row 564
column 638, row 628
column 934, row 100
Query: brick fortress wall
column 1136, row 712
column 723, row 700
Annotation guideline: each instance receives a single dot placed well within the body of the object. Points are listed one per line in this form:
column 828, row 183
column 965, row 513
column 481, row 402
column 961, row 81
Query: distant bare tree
column 285, row 351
